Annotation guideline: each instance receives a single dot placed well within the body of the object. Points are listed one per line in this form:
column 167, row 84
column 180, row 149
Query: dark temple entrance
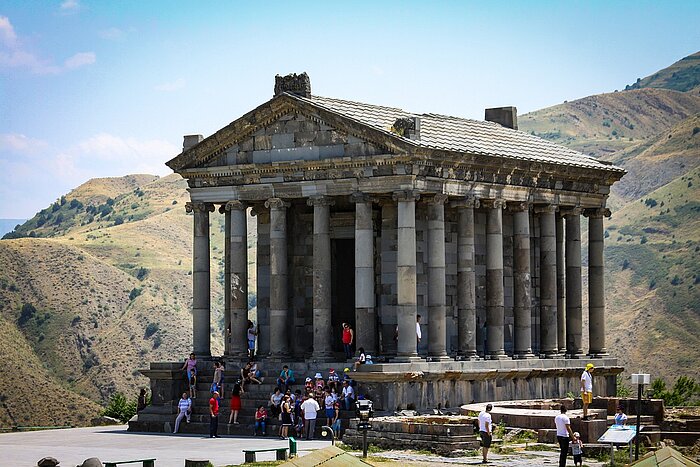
column 342, row 288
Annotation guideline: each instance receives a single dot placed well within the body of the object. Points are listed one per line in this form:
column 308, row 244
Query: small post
column 324, row 433
column 640, row 379
column 364, row 444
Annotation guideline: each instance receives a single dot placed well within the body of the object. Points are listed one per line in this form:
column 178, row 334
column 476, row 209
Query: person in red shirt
column 214, row 415
column 348, row 337
column 260, row 420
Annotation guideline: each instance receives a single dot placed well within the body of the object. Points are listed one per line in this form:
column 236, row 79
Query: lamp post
column 364, row 413
column 326, row 430
column 640, row 379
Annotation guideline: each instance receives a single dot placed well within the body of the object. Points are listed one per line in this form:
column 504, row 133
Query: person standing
column 184, row 408
column 214, row 415
column 141, row 403
column 190, row 368
column 486, row 431
column 419, row 334
column 348, row 337
column 309, row 409
column 577, row 449
column 216, row 383
column 348, row 395
column 620, row 417
column 286, row 417
column 236, row 403
column 586, row 389
column 564, row 435
column 252, row 332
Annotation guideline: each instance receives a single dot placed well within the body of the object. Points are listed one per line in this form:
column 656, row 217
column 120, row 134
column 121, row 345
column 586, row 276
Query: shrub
column 151, row 329
column 643, row 240
column 141, row 273
column 27, row 313
column 120, row 408
column 135, row 292
column 696, row 130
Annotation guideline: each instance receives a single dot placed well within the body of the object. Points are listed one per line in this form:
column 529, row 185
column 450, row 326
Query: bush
column 151, row 329
column 141, row 273
column 135, row 292
column 27, row 313
column 685, row 392
column 120, row 408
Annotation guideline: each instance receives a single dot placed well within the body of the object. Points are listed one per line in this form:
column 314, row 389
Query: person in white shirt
column 485, row 430
column 348, row 395
column 310, row 408
column 184, row 407
column 564, row 434
column 418, row 333
column 586, row 389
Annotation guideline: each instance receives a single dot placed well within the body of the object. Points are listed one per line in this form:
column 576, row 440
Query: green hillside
column 683, row 76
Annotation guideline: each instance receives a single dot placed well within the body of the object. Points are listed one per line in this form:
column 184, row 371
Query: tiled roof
column 463, row 135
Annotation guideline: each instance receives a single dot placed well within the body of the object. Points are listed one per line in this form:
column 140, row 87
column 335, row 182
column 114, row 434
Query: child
column 360, row 360
column 577, row 449
column 193, row 383
column 333, row 378
column 319, row 381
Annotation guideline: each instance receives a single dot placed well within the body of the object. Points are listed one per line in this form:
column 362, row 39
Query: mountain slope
column 684, row 75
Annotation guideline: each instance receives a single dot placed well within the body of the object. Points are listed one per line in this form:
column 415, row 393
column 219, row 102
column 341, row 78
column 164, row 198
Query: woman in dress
column 236, row 403
column 286, row 418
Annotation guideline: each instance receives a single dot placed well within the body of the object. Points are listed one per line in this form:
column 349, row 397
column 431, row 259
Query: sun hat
column 576, row 434
column 347, row 370
column 318, row 375
column 308, row 379
column 589, row 366
column 331, row 370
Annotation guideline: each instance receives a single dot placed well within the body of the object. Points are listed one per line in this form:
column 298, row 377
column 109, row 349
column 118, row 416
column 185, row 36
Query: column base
column 406, row 359
column 576, row 356
column 600, row 354
column 554, row 354
column 497, row 356
column 524, row 356
column 438, row 358
column 323, row 357
column 467, row 358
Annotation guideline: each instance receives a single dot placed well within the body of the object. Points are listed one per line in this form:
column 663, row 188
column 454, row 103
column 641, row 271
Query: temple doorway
column 342, row 288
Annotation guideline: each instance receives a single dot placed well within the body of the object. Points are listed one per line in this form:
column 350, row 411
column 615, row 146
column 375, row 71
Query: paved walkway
column 72, row 446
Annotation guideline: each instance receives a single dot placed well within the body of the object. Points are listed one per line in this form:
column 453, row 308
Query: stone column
column 437, row 336
column 494, row 279
column 322, row 277
column 466, row 281
column 365, row 313
column 574, row 324
column 596, row 285
column 201, row 298
column 262, row 219
column 227, row 278
column 561, row 286
column 548, row 282
column 522, row 308
column 237, row 283
column 406, row 301
column 279, row 315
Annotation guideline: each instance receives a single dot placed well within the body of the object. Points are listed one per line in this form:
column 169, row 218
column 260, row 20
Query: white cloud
column 18, row 143
column 79, row 59
column 111, row 33
column 14, row 55
column 128, row 155
column 171, row 86
column 70, row 5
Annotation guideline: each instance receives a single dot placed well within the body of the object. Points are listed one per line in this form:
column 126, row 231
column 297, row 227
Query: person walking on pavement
column 184, row 407
column 486, row 431
column 564, row 435
column 214, row 415
column 586, row 389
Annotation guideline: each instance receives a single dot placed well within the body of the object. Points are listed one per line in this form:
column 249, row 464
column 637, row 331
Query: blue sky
column 107, row 88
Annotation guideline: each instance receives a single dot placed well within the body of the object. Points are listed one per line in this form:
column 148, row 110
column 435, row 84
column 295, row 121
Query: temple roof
column 443, row 132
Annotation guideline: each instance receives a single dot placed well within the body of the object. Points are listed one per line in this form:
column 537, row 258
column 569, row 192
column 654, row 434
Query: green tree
column 120, row 408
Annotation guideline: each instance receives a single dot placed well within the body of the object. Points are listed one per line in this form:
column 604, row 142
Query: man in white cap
column 586, row 389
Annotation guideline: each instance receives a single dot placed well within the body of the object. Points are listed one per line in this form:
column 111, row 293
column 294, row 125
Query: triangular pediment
column 288, row 129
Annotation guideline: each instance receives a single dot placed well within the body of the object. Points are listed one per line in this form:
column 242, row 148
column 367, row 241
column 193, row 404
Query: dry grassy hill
column 684, row 76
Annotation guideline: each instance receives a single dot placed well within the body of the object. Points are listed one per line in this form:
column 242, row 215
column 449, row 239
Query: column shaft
column 494, row 279
column 227, row 279
column 237, row 287
column 548, row 283
column 437, row 335
column 466, row 281
column 322, row 278
column 561, row 286
column 573, row 283
column 522, row 309
column 596, row 283
column 365, row 313
column 406, row 303
column 201, row 299
column 279, row 316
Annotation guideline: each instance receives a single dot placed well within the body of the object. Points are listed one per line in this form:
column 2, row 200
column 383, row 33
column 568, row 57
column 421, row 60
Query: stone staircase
column 161, row 418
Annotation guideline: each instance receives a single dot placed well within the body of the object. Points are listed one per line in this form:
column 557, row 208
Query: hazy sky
column 107, row 88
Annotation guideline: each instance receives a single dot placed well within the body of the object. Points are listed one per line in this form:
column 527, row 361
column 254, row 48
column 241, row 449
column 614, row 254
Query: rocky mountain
column 684, row 76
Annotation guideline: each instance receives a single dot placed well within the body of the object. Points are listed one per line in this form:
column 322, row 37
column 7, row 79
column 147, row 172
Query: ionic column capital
column 406, row 195
column 438, row 198
column 597, row 213
column 570, row 210
column 233, row 205
column 276, row 203
column 518, row 206
column 320, row 200
column 199, row 207
column 360, row 197
column 546, row 209
column 498, row 203
column 466, row 202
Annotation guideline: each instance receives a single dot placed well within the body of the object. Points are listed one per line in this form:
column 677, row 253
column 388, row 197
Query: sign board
column 619, row 434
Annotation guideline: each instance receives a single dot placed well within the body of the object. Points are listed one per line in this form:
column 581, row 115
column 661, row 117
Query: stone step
column 198, row 427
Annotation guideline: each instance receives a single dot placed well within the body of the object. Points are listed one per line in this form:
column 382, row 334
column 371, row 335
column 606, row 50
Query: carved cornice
column 497, row 203
column 597, row 213
column 405, row 195
column 234, row 205
column 546, row 208
column 570, row 210
column 466, row 202
column 199, row 207
column 276, row 203
column 438, row 198
column 320, row 200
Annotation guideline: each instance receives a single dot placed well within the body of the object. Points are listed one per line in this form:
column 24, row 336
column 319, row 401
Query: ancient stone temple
column 373, row 215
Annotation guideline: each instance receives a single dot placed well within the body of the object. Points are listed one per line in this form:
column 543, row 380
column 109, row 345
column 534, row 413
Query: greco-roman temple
column 373, row 215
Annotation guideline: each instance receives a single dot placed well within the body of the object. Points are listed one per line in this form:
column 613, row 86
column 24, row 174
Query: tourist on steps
column 486, row 431
column 252, row 332
column 348, row 337
column 236, row 403
column 286, row 378
column 260, row 421
column 586, row 389
column 214, row 415
column 286, row 417
column 310, row 408
column 190, row 366
column 276, row 402
column 564, row 435
column 193, row 383
column 184, row 409
column 361, row 359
